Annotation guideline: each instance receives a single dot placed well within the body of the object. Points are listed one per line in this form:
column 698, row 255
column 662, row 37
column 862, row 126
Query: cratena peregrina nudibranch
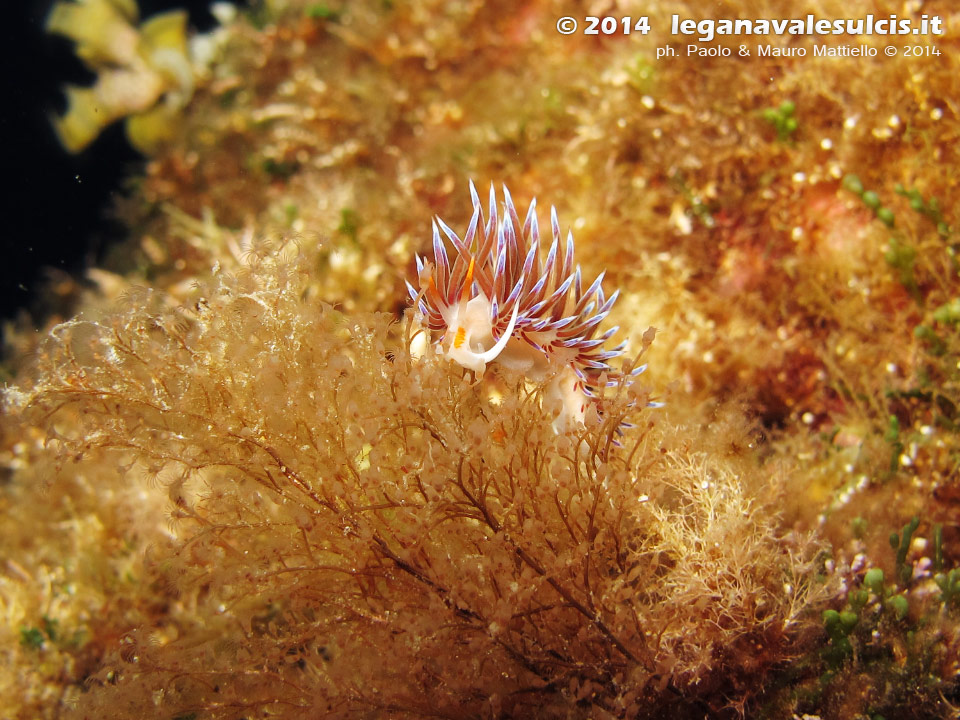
column 499, row 301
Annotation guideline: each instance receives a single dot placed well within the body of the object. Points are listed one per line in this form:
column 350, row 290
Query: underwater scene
column 495, row 360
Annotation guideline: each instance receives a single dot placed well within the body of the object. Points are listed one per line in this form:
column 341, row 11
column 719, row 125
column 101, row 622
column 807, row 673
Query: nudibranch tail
column 499, row 300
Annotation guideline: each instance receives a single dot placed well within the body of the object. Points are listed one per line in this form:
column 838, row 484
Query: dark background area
column 55, row 206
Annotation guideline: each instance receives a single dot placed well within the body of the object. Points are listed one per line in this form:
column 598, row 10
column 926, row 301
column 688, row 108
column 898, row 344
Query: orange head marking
column 459, row 337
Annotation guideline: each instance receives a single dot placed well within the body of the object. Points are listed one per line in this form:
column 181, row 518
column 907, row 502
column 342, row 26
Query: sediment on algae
column 335, row 526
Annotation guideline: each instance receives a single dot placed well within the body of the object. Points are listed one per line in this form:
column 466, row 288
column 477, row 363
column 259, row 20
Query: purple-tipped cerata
column 501, row 300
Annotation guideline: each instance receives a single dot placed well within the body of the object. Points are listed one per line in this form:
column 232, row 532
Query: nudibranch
column 500, row 301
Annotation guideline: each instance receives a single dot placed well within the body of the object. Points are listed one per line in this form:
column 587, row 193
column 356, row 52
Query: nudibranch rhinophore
column 499, row 301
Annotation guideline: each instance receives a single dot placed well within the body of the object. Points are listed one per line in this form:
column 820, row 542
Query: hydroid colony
column 351, row 529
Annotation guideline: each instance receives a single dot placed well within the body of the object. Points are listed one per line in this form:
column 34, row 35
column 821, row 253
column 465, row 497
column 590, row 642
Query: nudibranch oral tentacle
column 499, row 301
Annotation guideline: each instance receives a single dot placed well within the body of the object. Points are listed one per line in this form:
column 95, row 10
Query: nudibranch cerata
column 500, row 301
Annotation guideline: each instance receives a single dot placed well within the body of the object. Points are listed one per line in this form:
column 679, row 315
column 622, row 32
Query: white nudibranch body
column 499, row 301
